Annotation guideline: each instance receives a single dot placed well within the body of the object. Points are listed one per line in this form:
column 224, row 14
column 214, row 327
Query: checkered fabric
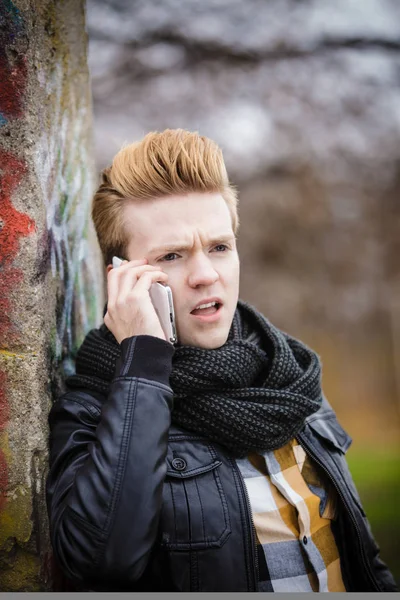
column 292, row 504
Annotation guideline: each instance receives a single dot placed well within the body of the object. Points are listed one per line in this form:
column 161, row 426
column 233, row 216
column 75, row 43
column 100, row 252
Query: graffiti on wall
column 61, row 166
column 13, row 224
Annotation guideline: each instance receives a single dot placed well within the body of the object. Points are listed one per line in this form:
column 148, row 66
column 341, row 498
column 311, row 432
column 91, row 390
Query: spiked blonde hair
column 171, row 162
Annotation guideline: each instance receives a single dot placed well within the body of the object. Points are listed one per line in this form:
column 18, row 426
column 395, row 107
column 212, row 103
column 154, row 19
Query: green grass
column 376, row 473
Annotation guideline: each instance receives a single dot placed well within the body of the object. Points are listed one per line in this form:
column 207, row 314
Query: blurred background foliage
column 304, row 99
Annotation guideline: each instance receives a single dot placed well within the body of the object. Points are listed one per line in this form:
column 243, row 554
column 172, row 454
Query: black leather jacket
column 138, row 504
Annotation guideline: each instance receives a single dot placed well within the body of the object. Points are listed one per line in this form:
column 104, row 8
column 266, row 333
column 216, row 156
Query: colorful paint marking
column 61, row 168
column 14, row 226
column 15, row 223
column 62, row 175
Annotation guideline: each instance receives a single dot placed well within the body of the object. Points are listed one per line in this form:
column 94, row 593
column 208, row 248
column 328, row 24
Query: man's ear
column 108, row 268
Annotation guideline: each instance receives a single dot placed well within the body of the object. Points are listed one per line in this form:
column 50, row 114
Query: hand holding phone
column 149, row 307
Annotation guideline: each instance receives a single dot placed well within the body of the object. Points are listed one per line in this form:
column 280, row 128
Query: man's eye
column 166, row 259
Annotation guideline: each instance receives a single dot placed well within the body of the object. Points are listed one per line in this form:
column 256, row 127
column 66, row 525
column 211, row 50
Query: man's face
column 191, row 239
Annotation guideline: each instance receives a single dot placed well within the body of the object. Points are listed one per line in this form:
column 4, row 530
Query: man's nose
column 201, row 271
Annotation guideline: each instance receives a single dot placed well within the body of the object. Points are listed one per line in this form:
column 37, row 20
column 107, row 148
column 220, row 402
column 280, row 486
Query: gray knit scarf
column 251, row 394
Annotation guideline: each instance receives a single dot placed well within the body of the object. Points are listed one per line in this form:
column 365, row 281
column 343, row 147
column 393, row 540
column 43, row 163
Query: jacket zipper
column 253, row 537
column 346, row 504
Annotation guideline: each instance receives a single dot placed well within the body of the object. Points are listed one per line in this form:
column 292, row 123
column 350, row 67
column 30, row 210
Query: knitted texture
column 251, row 395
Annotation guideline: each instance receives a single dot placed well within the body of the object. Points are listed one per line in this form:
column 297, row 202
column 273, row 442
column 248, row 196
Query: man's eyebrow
column 179, row 247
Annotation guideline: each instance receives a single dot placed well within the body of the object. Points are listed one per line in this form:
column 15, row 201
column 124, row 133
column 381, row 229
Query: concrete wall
column 51, row 286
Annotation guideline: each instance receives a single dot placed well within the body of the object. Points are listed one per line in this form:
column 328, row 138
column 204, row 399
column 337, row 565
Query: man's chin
column 208, row 340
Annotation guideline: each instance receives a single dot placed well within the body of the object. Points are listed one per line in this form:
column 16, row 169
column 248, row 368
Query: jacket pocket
column 337, row 442
column 195, row 511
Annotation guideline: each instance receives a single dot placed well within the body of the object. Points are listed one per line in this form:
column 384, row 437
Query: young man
column 215, row 464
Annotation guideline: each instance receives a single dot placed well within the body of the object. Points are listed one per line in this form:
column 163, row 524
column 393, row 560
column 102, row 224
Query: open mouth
column 209, row 313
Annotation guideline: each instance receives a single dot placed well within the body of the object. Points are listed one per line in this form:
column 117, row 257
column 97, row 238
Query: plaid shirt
column 292, row 507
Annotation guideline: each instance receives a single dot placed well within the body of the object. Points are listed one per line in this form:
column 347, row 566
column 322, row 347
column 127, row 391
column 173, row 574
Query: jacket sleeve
column 381, row 570
column 107, row 467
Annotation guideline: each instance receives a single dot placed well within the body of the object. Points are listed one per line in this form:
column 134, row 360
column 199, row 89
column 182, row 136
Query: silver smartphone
column 161, row 297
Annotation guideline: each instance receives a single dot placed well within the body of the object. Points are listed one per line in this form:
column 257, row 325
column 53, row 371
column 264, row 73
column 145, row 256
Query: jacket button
column 305, row 540
column 179, row 464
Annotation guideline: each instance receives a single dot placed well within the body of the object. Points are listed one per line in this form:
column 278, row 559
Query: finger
column 146, row 280
column 130, row 278
column 115, row 272
column 114, row 275
column 130, row 263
